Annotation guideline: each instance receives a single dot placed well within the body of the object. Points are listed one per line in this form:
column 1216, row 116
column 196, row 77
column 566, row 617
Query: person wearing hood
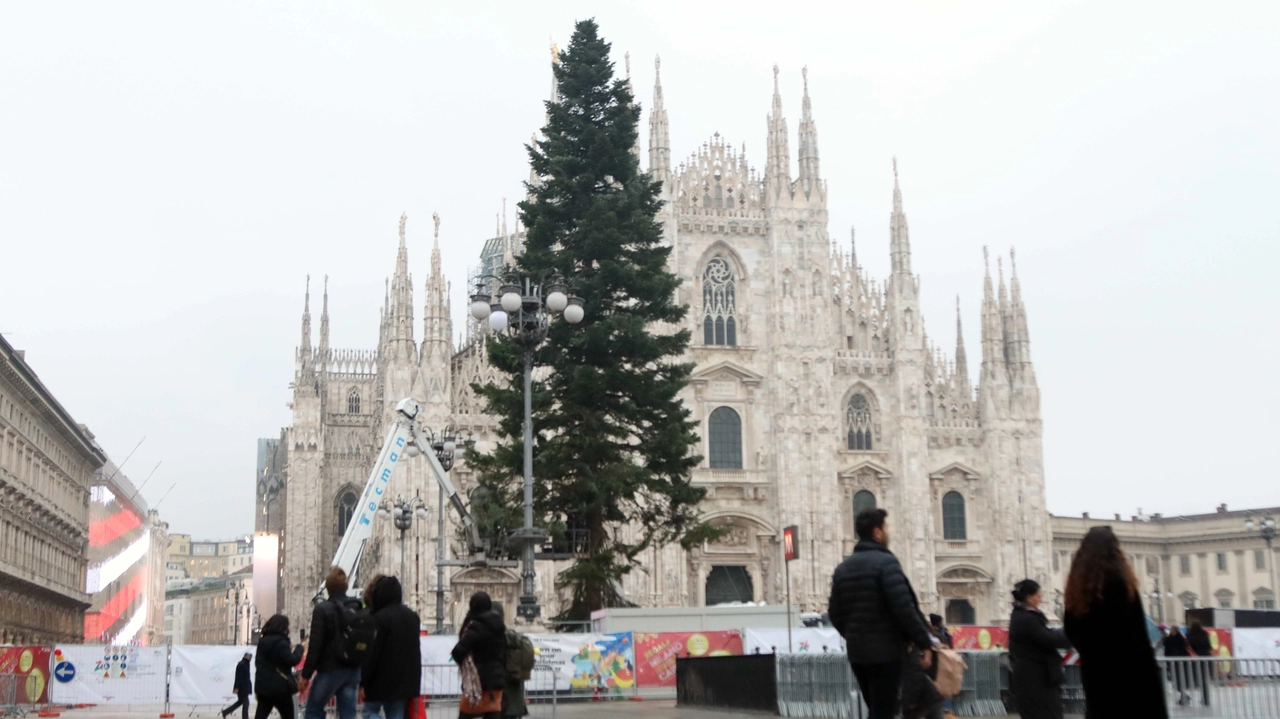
column 1037, row 674
column 483, row 640
column 392, row 675
column 275, row 662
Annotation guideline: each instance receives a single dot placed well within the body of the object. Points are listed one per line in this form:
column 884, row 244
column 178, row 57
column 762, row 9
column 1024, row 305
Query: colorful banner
column 205, row 675
column 979, row 638
column 31, row 664
column 815, row 640
column 656, row 653
column 594, row 662
column 96, row 674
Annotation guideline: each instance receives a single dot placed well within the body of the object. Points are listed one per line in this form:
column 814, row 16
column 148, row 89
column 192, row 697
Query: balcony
column 957, row 548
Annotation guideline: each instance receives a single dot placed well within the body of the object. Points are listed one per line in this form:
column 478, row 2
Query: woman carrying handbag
column 481, row 658
column 275, row 682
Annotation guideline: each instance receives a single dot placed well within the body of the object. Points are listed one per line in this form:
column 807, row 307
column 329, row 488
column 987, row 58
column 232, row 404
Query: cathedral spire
column 437, row 328
column 993, row 363
column 305, row 347
column 402, row 293
column 778, row 169
column 659, row 142
column 899, row 238
column 808, row 140
column 1020, row 351
column 324, row 323
column 962, row 360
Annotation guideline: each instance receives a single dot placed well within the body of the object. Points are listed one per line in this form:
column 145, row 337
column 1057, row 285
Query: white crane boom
column 404, row 437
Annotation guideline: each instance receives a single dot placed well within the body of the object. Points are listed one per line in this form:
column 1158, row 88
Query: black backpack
column 356, row 632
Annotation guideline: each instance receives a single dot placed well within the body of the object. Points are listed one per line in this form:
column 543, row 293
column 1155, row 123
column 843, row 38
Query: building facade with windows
column 816, row 389
column 202, row 559
column 1184, row 562
column 47, row 465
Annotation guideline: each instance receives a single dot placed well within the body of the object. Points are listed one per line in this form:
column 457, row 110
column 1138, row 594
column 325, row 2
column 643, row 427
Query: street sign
column 64, row 672
column 791, row 543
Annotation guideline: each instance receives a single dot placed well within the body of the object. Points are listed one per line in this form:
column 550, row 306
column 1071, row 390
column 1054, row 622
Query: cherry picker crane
column 404, row 438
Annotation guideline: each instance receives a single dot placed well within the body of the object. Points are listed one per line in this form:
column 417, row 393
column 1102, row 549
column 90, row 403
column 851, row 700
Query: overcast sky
column 171, row 172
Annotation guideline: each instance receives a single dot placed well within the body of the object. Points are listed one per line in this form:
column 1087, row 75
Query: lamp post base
column 528, row 609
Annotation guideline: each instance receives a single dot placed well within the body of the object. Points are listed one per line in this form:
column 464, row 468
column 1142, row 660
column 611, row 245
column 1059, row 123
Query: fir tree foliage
column 613, row 442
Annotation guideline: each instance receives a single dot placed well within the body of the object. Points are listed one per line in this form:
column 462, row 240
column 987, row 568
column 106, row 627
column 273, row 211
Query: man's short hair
column 868, row 521
column 336, row 582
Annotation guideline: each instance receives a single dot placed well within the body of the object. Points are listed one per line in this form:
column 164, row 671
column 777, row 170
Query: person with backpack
column 481, row 654
column 392, row 675
column 342, row 635
column 520, row 659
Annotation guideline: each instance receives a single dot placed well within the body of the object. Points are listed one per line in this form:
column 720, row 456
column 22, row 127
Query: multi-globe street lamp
column 522, row 308
column 1267, row 529
column 403, row 511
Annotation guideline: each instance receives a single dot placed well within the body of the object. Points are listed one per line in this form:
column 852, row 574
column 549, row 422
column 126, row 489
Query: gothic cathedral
column 816, row 387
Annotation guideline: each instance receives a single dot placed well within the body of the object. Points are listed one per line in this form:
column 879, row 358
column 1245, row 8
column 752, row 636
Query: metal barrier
column 818, row 685
column 747, row 681
column 1221, row 687
column 441, row 688
column 9, row 695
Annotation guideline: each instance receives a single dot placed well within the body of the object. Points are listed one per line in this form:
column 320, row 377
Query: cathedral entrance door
column 729, row 584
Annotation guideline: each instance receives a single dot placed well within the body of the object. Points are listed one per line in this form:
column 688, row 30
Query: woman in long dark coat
column 484, row 639
column 1033, row 651
column 1105, row 623
column 275, row 662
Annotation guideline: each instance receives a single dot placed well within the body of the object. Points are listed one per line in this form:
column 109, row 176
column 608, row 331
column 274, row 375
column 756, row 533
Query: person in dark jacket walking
column 392, row 675
column 484, row 639
column 874, row 608
column 1033, row 652
column 333, row 678
column 243, row 688
column 1105, row 623
column 1175, row 645
column 1199, row 643
column 275, row 663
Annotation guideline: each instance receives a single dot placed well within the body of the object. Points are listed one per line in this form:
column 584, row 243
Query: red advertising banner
column 32, row 664
column 656, row 653
column 1220, row 641
column 980, row 638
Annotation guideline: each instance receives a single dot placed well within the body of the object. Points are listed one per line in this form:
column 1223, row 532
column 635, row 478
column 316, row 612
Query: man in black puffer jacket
column 873, row 606
column 392, row 675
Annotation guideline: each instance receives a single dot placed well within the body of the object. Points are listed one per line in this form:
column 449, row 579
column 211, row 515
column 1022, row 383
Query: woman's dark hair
column 480, row 602
column 868, row 521
column 1098, row 562
column 279, row 624
column 1024, row 589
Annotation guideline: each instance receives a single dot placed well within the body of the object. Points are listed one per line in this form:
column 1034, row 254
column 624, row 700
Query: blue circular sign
column 64, row 672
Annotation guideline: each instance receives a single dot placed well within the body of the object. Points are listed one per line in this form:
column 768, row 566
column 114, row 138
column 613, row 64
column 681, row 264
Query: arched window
column 725, row 433
column 859, row 420
column 862, row 501
column 353, row 402
column 346, row 509
column 960, row 611
column 719, row 305
column 953, row 516
column 729, row 584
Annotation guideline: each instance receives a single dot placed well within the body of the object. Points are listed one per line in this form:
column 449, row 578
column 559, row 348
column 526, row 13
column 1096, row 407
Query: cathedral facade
column 816, row 388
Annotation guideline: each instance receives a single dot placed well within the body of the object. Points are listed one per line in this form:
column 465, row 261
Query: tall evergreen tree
column 613, row 441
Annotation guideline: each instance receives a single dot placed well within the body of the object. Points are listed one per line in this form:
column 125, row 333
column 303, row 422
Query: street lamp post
column 403, row 512
column 1266, row 528
column 234, row 591
column 522, row 308
column 445, row 444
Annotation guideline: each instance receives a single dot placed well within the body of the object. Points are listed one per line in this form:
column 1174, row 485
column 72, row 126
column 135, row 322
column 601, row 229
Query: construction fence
column 823, row 685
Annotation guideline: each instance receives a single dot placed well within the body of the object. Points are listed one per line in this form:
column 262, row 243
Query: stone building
column 1183, row 562
column 817, row 390
column 47, row 463
column 216, row 610
column 202, row 559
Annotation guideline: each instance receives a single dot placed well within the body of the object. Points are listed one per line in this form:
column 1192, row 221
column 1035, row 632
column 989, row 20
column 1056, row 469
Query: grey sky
column 170, row 172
